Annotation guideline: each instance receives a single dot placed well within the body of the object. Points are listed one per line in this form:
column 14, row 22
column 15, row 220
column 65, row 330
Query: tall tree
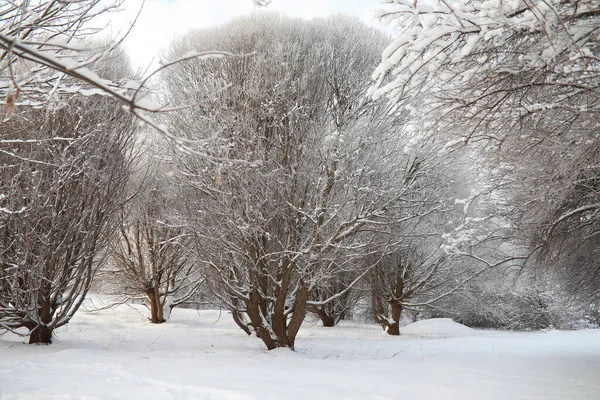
column 64, row 175
column 305, row 169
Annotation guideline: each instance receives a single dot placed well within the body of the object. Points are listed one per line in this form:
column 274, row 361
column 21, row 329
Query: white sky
column 161, row 20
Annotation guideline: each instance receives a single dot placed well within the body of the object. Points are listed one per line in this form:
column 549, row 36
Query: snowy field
column 117, row 354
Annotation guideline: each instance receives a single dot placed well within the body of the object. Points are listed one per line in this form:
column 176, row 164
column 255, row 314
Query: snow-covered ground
column 117, row 354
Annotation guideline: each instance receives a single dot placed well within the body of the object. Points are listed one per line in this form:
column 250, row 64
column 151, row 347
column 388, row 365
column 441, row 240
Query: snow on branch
column 436, row 40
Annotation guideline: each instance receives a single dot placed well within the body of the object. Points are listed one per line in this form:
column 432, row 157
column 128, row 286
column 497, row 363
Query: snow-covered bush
column 514, row 307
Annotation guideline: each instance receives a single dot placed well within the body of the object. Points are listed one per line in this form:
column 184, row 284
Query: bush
column 524, row 308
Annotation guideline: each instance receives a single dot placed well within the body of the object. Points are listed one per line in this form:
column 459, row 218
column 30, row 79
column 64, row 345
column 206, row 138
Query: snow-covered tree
column 305, row 171
column 63, row 179
column 494, row 65
column 520, row 78
column 42, row 45
column 400, row 276
column 152, row 254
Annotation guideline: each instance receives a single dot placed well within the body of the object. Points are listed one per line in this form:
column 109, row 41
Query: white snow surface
column 118, row 354
column 437, row 328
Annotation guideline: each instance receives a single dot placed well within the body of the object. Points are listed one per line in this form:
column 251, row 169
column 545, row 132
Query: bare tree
column 64, row 175
column 64, row 168
column 310, row 169
column 402, row 276
column 459, row 240
column 416, row 266
column 151, row 257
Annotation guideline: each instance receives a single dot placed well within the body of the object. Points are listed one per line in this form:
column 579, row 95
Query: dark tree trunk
column 156, row 310
column 391, row 323
column 394, row 328
column 298, row 315
column 282, row 332
column 396, row 312
column 40, row 334
column 327, row 320
column 253, row 308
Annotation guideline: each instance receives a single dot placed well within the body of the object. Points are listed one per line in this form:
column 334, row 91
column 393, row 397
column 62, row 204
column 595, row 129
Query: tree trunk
column 40, row 334
column 156, row 310
column 298, row 314
column 282, row 331
column 254, row 314
column 327, row 320
column 394, row 328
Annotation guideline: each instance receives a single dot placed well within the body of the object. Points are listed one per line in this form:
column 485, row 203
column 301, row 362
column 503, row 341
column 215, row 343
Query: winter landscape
column 292, row 205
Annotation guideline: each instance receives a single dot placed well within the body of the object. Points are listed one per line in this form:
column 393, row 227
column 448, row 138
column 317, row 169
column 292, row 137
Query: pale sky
column 161, row 20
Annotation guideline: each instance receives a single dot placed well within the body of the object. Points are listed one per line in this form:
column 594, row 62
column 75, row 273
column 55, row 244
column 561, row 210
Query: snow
column 437, row 327
column 118, row 354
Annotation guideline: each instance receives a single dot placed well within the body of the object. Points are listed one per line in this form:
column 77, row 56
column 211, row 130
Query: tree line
column 282, row 183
